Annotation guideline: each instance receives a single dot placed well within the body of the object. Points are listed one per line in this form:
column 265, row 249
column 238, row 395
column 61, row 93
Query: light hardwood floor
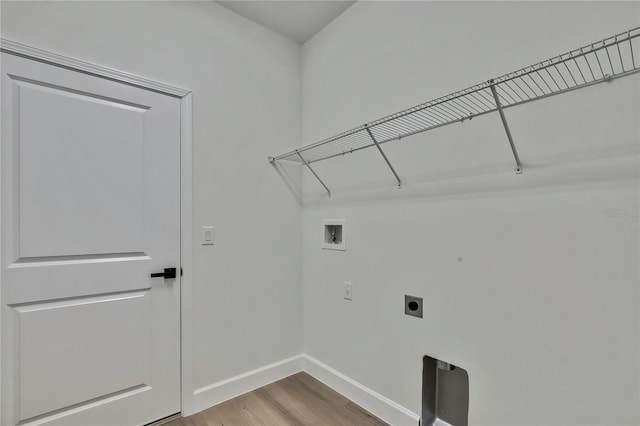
column 297, row 400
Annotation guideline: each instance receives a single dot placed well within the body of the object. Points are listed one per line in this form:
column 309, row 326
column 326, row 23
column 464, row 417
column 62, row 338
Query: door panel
column 94, row 186
column 90, row 191
column 78, row 351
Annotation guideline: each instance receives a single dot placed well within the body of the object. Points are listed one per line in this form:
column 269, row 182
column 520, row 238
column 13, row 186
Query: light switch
column 348, row 290
column 207, row 235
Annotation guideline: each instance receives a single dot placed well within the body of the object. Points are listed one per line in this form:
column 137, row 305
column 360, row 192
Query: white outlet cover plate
column 342, row 246
column 348, row 290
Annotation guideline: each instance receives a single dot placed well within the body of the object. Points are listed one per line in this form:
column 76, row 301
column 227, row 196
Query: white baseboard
column 380, row 406
column 214, row 394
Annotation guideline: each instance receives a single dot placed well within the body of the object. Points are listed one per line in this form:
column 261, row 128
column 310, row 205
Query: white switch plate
column 348, row 290
column 207, row 235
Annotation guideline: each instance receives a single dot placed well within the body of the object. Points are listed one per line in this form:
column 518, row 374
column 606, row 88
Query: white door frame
column 186, row 187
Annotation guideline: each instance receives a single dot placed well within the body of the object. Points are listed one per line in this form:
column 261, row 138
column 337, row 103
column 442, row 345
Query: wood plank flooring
column 298, row 400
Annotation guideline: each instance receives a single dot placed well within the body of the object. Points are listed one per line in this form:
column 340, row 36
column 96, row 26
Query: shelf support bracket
column 314, row 173
column 506, row 127
column 384, row 156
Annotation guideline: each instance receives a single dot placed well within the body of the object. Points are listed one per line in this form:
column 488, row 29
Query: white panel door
column 90, row 191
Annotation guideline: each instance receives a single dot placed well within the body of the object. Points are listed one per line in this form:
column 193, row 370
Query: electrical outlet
column 348, row 290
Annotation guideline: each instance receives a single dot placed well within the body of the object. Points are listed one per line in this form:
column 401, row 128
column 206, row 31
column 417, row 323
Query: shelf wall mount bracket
column 383, row 155
column 314, row 173
column 496, row 98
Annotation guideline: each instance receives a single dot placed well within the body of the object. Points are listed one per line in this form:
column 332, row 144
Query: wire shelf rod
column 507, row 130
column 384, row 156
column 314, row 173
column 589, row 65
column 633, row 61
column 579, row 70
column 620, row 56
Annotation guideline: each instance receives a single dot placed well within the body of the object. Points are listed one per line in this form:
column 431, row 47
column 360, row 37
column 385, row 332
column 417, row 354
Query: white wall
column 246, row 104
column 527, row 282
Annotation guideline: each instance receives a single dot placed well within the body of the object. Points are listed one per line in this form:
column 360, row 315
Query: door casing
column 186, row 188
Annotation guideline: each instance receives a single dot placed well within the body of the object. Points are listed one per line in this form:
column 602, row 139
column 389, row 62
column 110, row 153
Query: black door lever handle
column 168, row 273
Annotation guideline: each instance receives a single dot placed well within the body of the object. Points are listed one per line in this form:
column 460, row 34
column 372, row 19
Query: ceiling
column 295, row 19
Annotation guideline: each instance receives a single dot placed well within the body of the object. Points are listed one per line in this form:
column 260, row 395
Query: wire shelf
column 605, row 60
